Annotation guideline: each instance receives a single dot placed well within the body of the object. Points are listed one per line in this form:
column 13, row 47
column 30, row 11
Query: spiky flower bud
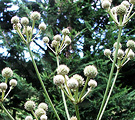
column 54, row 43
column 126, row 3
column 107, row 52
column 62, row 70
column 92, row 83
column 130, row 44
column 45, row 39
column 90, row 71
column 29, row 30
column 72, row 83
column 106, row 4
column 120, row 54
column 44, row 106
column 43, row 117
column 7, row 72
column 79, row 78
column 15, row 20
column 67, row 40
column 28, row 118
column 65, row 31
column 132, row 1
column 73, row 118
column 58, row 80
column 35, row 15
column 3, row 86
column 42, row 26
column 29, row 105
column 57, row 37
column 24, row 21
column 121, row 10
column 39, row 112
column 13, row 82
column 115, row 45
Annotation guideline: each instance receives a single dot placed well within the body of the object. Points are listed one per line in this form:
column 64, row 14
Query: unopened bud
column 39, row 112
column 45, row 39
column 58, row 80
column 62, row 70
column 107, row 52
column 35, row 15
column 130, row 44
column 13, row 82
column 29, row 105
column 72, row 83
column 92, row 83
column 106, row 4
column 7, row 72
column 24, row 21
column 57, row 37
column 42, row 26
column 15, row 20
column 121, row 10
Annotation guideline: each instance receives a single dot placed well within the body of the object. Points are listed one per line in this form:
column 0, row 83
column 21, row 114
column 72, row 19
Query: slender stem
column 109, row 94
column 125, row 62
column 89, row 90
column 42, row 84
column 33, row 24
column 8, row 93
column 50, row 48
column 34, row 115
column 2, row 106
column 77, row 112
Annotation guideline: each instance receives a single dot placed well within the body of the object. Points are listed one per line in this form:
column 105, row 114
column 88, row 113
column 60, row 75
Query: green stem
column 109, row 94
column 111, row 72
column 2, row 106
column 34, row 115
column 77, row 111
column 42, row 84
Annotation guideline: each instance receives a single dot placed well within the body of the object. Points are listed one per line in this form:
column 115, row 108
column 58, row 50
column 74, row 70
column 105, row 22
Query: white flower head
column 79, row 78
column 115, row 45
column 54, row 43
column 106, row 4
column 130, row 44
column 57, row 37
column 15, row 20
column 42, row 26
column 43, row 117
column 13, row 82
column 121, row 10
column 132, row 1
column 18, row 25
column 29, row 30
column 28, row 118
column 92, row 83
column 7, row 72
column 62, row 70
column 58, row 80
column 45, row 39
column 130, row 54
column 120, row 53
column 44, row 106
column 24, row 21
column 3, row 86
column 126, row 3
column 72, row 83
column 73, row 118
column 65, row 31
column 107, row 52
column 35, row 15
column 67, row 40
column 29, row 105
column 39, row 112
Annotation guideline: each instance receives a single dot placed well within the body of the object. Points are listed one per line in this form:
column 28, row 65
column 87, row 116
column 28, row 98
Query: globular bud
column 90, row 71
column 15, row 20
column 92, row 83
column 13, row 82
column 121, row 10
column 107, row 52
column 29, row 105
column 79, row 78
column 35, row 15
column 18, row 25
column 106, row 4
column 113, row 10
column 67, row 40
column 72, row 83
column 115, row 45
column 39, row 112
column 132, row 1
column 24, row 21
column 130, row 44
column 54, row 43
column 126, row 3
column 130, row 54
column 42, row 26
column 58, row 80
column 28, row 118
column 45, row 39
column 44, row 106
column 120, row 54
column 29, row 30
column 3, row 86
column 62, row 70
column 7, row 72
column 65, row 31
column 73, row 118
column 43, row 117
column 57, row 37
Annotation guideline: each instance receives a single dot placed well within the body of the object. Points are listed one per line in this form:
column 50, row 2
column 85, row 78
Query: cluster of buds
column 7, row 73
column 72, row 84
column 122, row 56
column 40, row 112
column 123, row 10
column 27, row 30
column 59, row 42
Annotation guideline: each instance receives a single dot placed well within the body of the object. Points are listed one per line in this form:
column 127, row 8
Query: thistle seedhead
column 29, row 105
column 3, row 86
column 45, row 39
column 72, row 83
column 39, row 112
column 92, row 83
column 65, row 31
column 67, row 40
column 58, row 80
column 90, row 71
column 44, row 106
column 13, row 82
column 35, row 15
column 42, row 26
column 7, row 72
column 62, row 70
column 107, row 52
column 57, row 37
column 24, row 21
column 15, row 20
column 121, row 10
column 130, row 44
column 79, row 78
column 106, row 4
column 43, row 117
column 28, row 118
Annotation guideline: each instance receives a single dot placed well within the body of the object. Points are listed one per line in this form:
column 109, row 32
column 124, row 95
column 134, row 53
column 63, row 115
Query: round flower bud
column 43, row 117
column 113, row 10
column 67, row 40
column 42, row 26
column 90, row 71
column 106, row 4
column 79, row 78
column 58, row 80
column 15, row 20
column 132, row 1
column 28, row 118
column 126, row 3
column 65, row 31
column 57, row 37
column 62, row 70
column 29, row 105
column 130, row 44
column 121, row 10
column 115, row 45
column 44, row 106
column 7, row 72
column 3, row 86
column 39, row 112
column 107, row 52
column 35, row 15
column 13, row 82
column 29, row 30
column 120, row 54
column 45, row 39
column 92, row 83
column 73, row 118
column 130, row 54
column 72, row 83
column 54, row 43
column 24, row 21
column 17, row 25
